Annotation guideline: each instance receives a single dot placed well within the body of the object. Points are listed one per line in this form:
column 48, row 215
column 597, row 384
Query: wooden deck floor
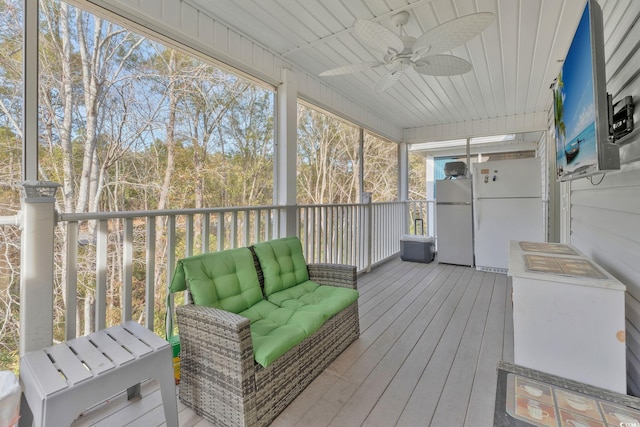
column 431, row 337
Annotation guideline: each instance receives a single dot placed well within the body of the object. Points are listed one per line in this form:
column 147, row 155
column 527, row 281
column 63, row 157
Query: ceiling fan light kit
column 424, row 54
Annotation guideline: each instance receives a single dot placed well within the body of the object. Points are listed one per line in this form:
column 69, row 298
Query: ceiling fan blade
column 442, row 65
column 451, row 34
column 351, row 68
column 387, row 80
column 377, row 37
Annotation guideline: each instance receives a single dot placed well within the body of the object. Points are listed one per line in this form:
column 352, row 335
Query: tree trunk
column 90, row 73
column 163, row 200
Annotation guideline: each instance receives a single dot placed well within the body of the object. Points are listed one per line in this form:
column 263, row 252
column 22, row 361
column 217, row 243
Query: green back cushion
column 282, row 263
column 226, row 280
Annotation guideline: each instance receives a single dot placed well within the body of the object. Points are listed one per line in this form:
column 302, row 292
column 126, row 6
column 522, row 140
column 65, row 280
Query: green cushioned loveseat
column 263, row 324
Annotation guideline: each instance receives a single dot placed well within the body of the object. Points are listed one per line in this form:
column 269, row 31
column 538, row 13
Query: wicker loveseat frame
column 222, row 382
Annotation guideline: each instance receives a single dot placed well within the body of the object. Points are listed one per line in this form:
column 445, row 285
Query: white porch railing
column 152, row 241
column 136, row 252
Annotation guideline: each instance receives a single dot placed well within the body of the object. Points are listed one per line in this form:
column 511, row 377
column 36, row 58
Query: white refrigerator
column 507, row 205
column 454, row 221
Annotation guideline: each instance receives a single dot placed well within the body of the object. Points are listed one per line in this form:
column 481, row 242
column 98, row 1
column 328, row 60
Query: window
column 380, row 168
column 328, row 163
column 125, row 123
column 417, row 177
column 129, row 124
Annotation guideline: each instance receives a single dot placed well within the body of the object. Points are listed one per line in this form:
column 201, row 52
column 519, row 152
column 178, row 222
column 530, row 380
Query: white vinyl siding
column 605, row 218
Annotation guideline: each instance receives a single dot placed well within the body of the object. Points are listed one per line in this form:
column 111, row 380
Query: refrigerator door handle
column 476, row 213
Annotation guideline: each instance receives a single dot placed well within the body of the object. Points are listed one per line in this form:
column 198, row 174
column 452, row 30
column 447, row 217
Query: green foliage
column 10, row 361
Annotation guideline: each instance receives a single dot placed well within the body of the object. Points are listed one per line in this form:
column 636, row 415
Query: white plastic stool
column 60, row 381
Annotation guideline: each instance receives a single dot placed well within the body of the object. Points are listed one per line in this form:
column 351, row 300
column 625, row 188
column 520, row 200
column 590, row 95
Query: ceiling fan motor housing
column 401, row 63
column 400, row 18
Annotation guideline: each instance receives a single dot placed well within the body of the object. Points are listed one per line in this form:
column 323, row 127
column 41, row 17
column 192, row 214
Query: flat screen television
column 581, row 104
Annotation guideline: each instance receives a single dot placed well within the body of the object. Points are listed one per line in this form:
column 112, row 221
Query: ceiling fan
column 423, row 54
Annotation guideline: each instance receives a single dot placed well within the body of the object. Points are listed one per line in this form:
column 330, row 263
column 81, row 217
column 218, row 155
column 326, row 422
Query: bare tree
column 327, row 158
column 124, row 124
column 81, row 65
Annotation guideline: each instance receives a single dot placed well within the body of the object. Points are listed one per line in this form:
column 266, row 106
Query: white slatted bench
column 60, row 381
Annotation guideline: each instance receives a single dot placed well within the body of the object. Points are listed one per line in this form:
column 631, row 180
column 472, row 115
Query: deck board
column 460, row 379
column 402, row 365
column 431, row 338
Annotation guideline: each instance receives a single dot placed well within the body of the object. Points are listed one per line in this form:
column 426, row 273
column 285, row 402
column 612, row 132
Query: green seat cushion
column 311, row 297
column 226, row 280
column 282, row 263
column 275, row 330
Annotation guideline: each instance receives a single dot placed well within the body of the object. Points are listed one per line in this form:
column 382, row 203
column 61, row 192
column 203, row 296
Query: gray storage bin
column 416, row 248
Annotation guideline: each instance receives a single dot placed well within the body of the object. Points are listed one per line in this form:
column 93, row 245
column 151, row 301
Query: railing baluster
column 320, row 240
column 375, row 237
column 322, row 244
column 312, row 227
column 338, row 235
column 220, row 232
column 378, row 238
column 127, row 270
column 343, row 251
column 305, row 230
column 362, row 236
column 205, row 232
column 327, row 224
column 150, row 281
column 256, row 226
column 101, row 275
column 384, row 235
column 299, row 225
column 350, row 240
column 171, row 262
column 189, row 243
column 388, row 233
column 331, row 210
column 233, row 230
column 325, row 239
column 71, row 292
column 246, row 228
column 267, row 224
column 275, row 223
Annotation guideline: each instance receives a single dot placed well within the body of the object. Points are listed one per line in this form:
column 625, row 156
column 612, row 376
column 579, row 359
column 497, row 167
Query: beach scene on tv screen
column 575, row 105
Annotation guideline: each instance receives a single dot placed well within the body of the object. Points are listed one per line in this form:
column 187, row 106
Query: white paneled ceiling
column 514, row 60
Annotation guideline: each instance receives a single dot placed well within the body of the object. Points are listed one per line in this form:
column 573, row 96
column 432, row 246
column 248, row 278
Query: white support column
column 286, row 152
column 403, row 182
column 30, row 90
column 361, row 164
column 431, row 195
column 403, row 172
column 468, row 171
column 36, row 268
